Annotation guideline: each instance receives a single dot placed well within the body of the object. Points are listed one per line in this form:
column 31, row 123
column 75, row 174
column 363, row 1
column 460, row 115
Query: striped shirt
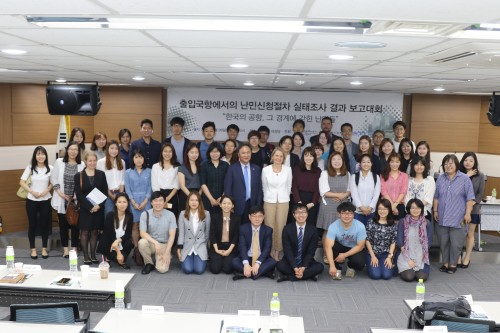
column 452, row 196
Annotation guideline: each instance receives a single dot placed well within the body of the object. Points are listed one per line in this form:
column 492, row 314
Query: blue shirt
column 151, row 151
column 125, row 157
column 347, row 237
column 138, row 187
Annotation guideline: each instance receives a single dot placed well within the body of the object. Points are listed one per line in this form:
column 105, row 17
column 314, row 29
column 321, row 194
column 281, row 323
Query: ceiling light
column 138, row 78
column 340, row 57
column 14, row 52
column 239, row 65
column 300, row 82
column 439, row 89
column 360, row 45
column 61, row 81
column 356, row 83
column 249, row 84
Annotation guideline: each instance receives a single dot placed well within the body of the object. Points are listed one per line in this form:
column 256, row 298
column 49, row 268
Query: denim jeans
column 193, row 264
column 379, row 272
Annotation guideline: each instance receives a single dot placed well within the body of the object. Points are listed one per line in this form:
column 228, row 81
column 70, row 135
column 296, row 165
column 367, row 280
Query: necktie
column 299, row 251
column 255, row 246
column 247, row 182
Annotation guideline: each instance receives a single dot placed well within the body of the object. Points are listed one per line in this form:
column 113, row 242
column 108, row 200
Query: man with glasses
column 300, row 241
column 149, row 146
column 345, row 242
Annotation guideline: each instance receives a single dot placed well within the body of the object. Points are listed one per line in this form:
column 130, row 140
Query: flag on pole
column 62, row 135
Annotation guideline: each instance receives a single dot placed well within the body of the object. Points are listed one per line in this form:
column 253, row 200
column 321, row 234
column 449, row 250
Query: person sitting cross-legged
column 300, row 241
column 255, row 244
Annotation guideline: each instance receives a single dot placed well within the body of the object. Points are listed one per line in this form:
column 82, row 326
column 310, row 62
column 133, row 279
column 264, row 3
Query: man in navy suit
column 255, row 244
column 243, row 183
column 300, row 241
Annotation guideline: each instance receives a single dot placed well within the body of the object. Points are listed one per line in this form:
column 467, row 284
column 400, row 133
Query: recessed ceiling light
column 360, row 45
column 340, row 57
column 14, row 52
column 300, row 82
column 238, row 65
column 61, row 80
column 249, row 84
column 138, row 78
column 439, row 89
column 356, row 83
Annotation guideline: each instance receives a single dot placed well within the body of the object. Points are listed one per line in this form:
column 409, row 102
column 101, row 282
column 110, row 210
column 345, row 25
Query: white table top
column 491, row 202
column 133, row 321
column 17, row 327
column 43, row 279
column 492, row 309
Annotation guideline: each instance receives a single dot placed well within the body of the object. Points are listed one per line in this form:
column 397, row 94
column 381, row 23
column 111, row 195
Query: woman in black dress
column 91, row 217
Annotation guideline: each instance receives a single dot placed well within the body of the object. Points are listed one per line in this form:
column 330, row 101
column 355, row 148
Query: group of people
column 246, row 208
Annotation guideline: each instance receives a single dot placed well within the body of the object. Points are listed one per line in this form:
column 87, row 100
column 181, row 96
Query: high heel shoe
column 465, row 266
column 66, row 253
column 34, row 257
column 45, row 254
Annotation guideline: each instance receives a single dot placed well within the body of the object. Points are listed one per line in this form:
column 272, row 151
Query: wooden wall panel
column 112, row 123
column 485, row 104
column 9, row 184
column 29, row 98
column 34, row 129
column 451, row 137
column 5, row 115
column 85, row 122
column 489, row 139
column 132, row 100
column 446, row 108
column 14, row 216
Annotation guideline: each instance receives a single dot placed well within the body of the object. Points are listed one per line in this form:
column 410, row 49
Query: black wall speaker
column 78, row 100
column 494, row 110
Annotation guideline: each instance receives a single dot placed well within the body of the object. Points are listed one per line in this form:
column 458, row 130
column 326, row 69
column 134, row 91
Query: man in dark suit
column 255, row 244
column 300, row 241
column 179, row 141
column 244, row 184
column 327, row 126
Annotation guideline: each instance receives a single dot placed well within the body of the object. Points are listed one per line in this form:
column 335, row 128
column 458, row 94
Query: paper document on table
column 478, row 312
column 96, row 197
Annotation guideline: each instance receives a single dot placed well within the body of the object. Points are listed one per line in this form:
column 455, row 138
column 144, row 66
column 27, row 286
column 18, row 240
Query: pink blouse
column 393, row 187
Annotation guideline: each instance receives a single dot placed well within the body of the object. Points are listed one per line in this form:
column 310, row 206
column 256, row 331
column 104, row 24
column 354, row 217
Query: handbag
column 22, row 193
column 438, row 305
column 73, row 208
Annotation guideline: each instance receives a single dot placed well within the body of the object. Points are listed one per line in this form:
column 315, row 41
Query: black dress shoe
column 45, row 256
column 147, row 269
column 452, row 270
column 124, row 266
column 465, row 266
column 34, row 257
column 283, row 278
column 237, row 277
column 314, row 278
column 443, row 269
column 271, row 275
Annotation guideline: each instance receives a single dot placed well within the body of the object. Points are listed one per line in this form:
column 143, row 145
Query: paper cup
column 488, row 198
column 19, row 267
column 85, row 270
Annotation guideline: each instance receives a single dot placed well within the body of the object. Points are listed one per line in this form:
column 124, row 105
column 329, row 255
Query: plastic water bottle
column 494, row 194
column 9, row 259
column 119, row 295
column 420, row 290
column 73, row 263
column 275, row 308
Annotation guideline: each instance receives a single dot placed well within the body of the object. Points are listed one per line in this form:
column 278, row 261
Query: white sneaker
column 350, row 272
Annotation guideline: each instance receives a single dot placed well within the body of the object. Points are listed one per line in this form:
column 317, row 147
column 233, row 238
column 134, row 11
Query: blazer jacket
column 101, row 184
column 291, row 244
column 234, row 186
column 108, row 235
column 190, row 238
column 276, row 188
column 265, row 241
column 216, row 225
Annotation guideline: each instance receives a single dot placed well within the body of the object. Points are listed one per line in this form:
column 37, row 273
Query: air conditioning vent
column 455, row 57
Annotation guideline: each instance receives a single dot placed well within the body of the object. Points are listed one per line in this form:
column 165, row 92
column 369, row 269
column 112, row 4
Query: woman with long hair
column 276, row 185
column 386, row 149
column 469, row 165
column 424, row 151
column 414, row 240
column 165, row 177
column 224, row 236
column 91, row 214
column 38, row 199
column 298, row 143
column 365, row 148
column 138, row 188
column 125, row 138
column 406, row 153
column 230, row 152
column 114, row 169
column 98, row 145
column 77, row 135
column 189, row 174
column 318, row 155
column 194, row 233
column 394, row 185
column 365, row 190
column 212, row 174
column 338, row 145
column 286, row 143
column 62, row 179
column 381, row 233
column 115, row 242
column 421, row 185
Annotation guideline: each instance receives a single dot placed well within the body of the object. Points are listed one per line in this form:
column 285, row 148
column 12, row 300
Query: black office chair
column 61, row 313
column 459, row 324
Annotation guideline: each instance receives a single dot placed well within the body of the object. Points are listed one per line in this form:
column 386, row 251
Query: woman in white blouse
column 421, row 185
column 38, row 199
column 276, row 185
column 113, row 166
column 164, row 177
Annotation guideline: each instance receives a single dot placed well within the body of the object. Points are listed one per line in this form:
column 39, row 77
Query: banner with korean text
column 250, row 109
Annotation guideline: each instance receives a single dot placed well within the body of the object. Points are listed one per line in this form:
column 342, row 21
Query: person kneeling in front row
column 157, row 230
column 255, row 244
column 345, row 239
column 300, row 241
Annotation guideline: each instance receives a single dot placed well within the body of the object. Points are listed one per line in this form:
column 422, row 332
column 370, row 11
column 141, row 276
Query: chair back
column 458, row 324
column 62, row 313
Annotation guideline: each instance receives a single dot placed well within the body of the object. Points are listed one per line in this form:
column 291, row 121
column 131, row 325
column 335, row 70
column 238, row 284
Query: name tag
column 436, row 329
column 152, row 309
column 32, row 268
column 248, row 313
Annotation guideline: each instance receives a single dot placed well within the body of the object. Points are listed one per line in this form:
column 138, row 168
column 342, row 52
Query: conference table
column 17, row 327
column 490, row 218
column 91, row 293
column 133, row 321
